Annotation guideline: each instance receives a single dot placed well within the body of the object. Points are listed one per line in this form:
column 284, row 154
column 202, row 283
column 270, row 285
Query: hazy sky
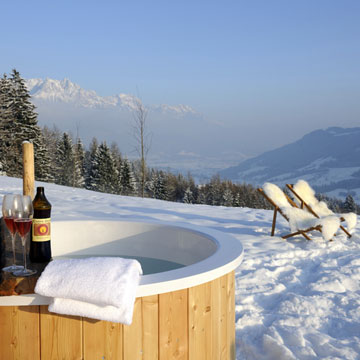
column 273, row 70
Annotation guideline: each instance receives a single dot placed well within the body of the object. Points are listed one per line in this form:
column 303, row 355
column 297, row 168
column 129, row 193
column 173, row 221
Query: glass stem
column 13, row 247
column 24, row 253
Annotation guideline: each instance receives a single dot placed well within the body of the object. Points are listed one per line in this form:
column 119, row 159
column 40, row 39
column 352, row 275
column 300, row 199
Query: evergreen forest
column 64, row 160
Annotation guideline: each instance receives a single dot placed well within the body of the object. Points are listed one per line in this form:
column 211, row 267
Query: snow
column 319, row 163
column 307, row 194
column 300, row 219
column 295, row 299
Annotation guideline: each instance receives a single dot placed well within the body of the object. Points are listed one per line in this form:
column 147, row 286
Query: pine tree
column 65, row 161
column 156, row 186
column 25, row 122
column 116, row 154
column 127, row 179
column 24, row 128
column 43, row 164
column 106, row 175
column 79, row 164
column 227, row 198
column 52, row 138
column 188, row 196
column 214, row 191
column 349, row 204
column 201, row 197
column 90, row 156
column 7, row 132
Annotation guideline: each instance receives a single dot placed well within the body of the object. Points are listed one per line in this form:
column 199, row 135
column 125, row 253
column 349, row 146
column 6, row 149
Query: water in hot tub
column 149, row 265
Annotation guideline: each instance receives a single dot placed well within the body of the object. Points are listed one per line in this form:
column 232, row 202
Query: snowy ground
column 294, row 299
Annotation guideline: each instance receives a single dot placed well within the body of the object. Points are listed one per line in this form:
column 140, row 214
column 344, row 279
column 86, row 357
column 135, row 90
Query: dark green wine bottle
column 40, row 244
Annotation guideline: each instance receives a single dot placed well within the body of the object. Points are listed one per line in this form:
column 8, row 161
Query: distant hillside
column 328, row 159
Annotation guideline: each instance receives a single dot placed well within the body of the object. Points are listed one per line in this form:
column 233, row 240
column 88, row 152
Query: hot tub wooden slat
column 200, row 330
column 162, row 328
column 224, row 318
column 133, row 335
column 217, row 317
column 230, row 296
column 173, row 325
column 150, row 327
column 19, row 332
column 61, row 336
column 102, row 340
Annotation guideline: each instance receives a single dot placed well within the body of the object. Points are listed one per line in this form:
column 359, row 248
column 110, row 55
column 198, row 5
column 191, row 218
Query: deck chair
column 304, row 197
column 301, row 222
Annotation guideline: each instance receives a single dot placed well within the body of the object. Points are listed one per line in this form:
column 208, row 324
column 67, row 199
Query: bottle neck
column 40, row 190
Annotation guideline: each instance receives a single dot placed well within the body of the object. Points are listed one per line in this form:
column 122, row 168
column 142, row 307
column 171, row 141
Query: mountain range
column 65, row 91
column 181, row 138
column 328, row 159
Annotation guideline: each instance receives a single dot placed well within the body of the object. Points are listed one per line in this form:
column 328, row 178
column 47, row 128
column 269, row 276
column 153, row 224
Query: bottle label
column 41, row 230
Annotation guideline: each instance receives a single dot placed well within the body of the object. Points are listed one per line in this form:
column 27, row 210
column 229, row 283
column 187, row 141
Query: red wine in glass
column 10, row 204
column 23, row 219
column 23, row 226
column 9, row 221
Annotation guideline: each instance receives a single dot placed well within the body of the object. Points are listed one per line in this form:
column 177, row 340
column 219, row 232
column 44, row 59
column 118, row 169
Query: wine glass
column 23, row 219
column 9, row 205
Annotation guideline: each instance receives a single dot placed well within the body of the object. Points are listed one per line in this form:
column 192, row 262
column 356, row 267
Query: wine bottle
column 40, row 244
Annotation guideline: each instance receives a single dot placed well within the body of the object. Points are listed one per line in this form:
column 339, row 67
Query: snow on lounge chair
column 301, row 221
column 304, row 197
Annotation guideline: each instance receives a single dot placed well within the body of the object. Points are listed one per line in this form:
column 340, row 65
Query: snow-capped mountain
column 328, row 159
column 65, row 91
column 181, row 138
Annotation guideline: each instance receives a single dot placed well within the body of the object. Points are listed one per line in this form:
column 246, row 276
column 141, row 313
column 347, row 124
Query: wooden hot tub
column 185, row 305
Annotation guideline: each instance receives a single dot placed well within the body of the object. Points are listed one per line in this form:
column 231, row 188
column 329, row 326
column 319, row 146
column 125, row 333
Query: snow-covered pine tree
column 65, row 161
column 116, row 154
column 157, row 186
column 106, row 175
column 90, row 157
column 26, row 129
column 7, row 133
column 227, row 197
column 52, row 138
column 79, row 164
column 43, row 165
column 127, row 179
column 349, row 204
column 214, row 191
column 188, row 196
column 201, row 196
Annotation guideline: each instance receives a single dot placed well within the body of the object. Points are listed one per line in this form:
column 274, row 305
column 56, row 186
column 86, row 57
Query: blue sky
column 253, row 65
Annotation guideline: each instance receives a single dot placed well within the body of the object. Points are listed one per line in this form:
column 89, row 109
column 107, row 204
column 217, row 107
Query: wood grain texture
column 224, row 351
column 217, row 317
column 231, row 315
column 190, row 324
column 28, row 169
column 133, row 335
column 150, row 327
column 20, row 333
column 102, row 340
column 61, row 336
column 200, row 326
column 173, row 325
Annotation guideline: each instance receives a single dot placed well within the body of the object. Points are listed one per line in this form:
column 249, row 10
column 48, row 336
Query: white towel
column 102, row 288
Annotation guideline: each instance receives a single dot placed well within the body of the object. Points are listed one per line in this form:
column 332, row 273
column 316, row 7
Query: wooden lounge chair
column 304, row 197
column 301, row 222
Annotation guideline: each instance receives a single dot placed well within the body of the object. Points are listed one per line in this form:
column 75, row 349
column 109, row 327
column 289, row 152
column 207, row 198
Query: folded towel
column 79, row 308
column 96, row 284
